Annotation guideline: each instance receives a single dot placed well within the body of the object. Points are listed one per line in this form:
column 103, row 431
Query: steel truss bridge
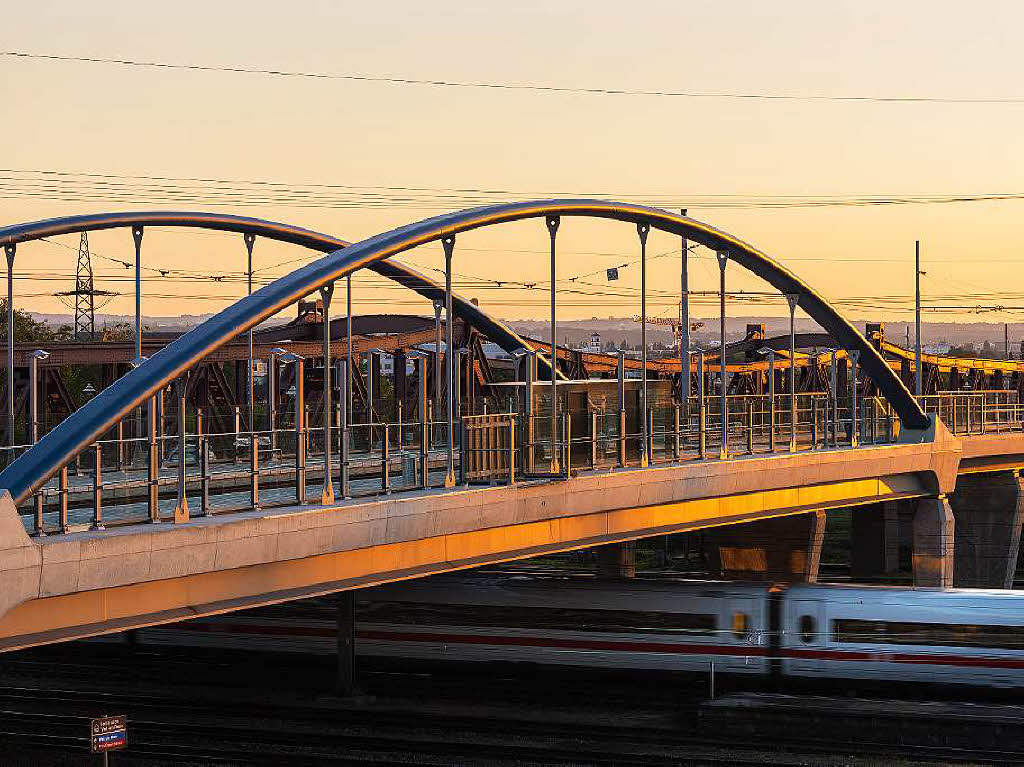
column 147, row 505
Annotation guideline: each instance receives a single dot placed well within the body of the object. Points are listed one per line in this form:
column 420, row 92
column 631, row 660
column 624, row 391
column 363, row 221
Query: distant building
column 595, row 343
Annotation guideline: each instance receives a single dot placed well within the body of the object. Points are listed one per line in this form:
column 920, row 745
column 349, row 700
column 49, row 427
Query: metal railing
column 131, row 480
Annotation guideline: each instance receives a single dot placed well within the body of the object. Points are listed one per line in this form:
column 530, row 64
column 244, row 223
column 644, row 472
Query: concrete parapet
column 934, row 531
column 989, row 511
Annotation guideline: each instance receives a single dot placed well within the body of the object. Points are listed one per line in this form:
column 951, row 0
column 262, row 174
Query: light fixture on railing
column 89, row 390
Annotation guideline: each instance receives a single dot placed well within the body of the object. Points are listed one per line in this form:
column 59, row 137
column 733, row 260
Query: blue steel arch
column 77, row 432
column 495, row 330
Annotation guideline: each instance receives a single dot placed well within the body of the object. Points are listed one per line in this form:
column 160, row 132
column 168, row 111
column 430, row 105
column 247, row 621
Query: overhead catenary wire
column 511, row 86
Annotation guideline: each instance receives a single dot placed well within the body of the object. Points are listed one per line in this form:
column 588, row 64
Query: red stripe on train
column 606, row 645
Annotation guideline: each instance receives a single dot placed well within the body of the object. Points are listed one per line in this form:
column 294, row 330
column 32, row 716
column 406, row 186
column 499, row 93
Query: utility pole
column 1006, row 341
column 917, row 318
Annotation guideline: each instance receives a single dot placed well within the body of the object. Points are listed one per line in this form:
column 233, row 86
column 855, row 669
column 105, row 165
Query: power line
column 509, row 86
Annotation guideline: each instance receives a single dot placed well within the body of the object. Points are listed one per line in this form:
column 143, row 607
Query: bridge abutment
column 933, row 535
column 989, row 511
column 779, row 549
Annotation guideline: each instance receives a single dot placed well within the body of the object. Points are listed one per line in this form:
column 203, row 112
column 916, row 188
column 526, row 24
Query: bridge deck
column 88, row 583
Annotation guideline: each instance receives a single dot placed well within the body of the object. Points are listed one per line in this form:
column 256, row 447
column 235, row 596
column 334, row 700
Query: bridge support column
column 874, row 540
column 933, row 542
column 989, row 512
column 345, row 681
column 616, row 560
column 779, row 549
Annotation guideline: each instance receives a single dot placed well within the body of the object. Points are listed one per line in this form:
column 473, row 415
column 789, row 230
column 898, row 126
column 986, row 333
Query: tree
column 27, row 328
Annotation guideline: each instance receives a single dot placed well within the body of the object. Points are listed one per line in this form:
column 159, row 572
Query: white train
column 966, row 636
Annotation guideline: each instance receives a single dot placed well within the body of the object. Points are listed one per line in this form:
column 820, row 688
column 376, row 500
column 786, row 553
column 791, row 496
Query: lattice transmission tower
column 85, row 302
column 85, row 294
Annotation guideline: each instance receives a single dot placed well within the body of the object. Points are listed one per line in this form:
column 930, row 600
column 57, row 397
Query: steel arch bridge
column 42, row 461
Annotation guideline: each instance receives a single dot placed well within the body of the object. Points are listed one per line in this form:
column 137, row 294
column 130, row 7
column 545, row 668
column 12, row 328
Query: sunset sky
column 133, row 121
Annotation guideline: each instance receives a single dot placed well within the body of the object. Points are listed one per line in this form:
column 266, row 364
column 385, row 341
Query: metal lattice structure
column 85, row 294
column 85, row 303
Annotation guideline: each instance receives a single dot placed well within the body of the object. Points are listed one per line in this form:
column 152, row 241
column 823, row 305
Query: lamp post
column 793, row 299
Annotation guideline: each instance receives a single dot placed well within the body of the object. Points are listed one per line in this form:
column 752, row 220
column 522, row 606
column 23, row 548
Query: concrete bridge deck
column 88, row 583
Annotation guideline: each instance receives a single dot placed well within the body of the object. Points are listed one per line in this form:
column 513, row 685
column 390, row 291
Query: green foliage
column 27, row 328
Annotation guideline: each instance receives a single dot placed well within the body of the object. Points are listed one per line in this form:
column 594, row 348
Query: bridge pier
column 933, row 536
column 779, row 549
column 989, row 513
column 875, row 541
column 616, row 560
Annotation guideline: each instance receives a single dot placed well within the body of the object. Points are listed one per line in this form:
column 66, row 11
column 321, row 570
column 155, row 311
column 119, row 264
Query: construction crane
column 672, row 323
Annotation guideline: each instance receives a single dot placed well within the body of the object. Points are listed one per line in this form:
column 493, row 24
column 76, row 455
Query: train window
column 853, row 630
column 515, row 616
column 740, row 625
column 807, row 628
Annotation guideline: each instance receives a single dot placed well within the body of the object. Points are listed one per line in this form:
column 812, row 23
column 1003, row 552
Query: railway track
column 201, row 733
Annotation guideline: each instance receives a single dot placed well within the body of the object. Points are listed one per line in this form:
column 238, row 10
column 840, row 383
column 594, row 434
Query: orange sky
column 107, row 119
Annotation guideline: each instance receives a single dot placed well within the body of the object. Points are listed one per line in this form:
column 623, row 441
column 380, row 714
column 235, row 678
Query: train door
column 743, row 638
column 805, row 636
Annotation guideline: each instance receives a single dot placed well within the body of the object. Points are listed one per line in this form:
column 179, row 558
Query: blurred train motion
column 960, row 637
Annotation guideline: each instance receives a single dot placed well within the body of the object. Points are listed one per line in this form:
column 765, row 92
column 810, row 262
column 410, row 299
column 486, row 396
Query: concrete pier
column 989, row 510
column 934, row 532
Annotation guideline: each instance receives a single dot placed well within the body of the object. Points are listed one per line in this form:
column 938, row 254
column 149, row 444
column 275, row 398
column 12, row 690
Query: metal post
column 552, row 224
column 620, row 369
column 203, row 445
column 62, row 500
column 834, row 380
column 642, row 230
column 566, row 444
column 385, row 459
column 181, row 504
column 9, row 251
column 448, row 243
column 677, row 447
column 771, row 401
column 814, row 422
column 250, row 240
column 701, row 409
column 437, row 357
column 300, row 427
column 343, row 421
column 327, row 492
column 137, row 237
column 530, row 360
column 511, row 452
column 750, row 427
column 348, row 354
column 793, row 299
column 421, row 385
column 97, row 488
column 33, row 427
column 272, row 396
column 593, row 439
column 723, row 261
column 854, row 421
column 153, row 466
column 684, row 325
column 917, row 318
column 120, row 445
